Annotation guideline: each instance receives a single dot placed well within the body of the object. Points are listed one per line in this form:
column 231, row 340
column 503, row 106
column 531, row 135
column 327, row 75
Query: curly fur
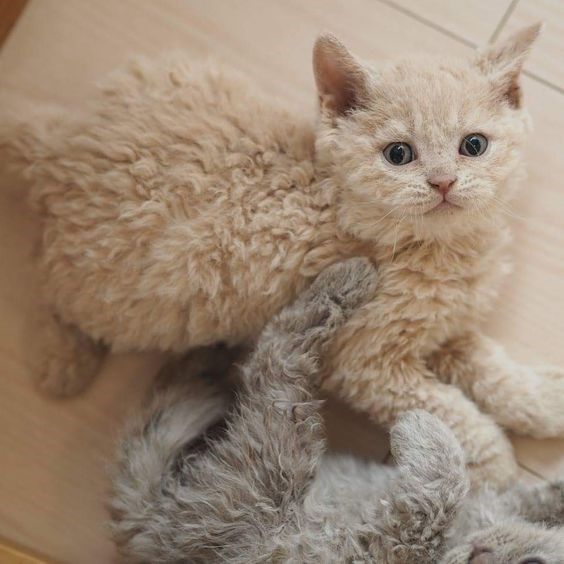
column 259, row 488
column 182, row 208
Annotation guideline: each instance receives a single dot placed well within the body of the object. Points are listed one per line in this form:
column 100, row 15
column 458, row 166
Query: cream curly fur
column 182, row 208
column 190, row 486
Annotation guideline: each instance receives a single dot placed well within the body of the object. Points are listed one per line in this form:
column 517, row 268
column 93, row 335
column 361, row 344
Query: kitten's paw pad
column 62, row 361
column 425, row 444
column 349, row 283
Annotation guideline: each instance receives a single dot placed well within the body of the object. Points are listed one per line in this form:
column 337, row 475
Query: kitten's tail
column 27, row 136
column 146, row 505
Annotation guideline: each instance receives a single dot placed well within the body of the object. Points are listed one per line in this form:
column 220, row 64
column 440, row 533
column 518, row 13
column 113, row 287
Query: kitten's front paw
column 426, row 445
column 349, row 283
column 323, row 307
column 62, row 360
column 545, row 407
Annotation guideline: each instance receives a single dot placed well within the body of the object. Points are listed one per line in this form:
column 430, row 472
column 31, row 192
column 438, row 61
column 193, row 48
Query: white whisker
column 386, row 215
column 396, row 234
column 505, row 208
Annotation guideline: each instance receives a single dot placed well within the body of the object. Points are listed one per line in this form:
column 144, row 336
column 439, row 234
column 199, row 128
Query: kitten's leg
column 242, row 494
column 425, row 497
column 63, row 361
column 385, row 391
column 520, row 398
column 539, row 504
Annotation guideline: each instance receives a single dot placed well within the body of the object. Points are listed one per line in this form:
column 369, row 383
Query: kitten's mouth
column 443, row 207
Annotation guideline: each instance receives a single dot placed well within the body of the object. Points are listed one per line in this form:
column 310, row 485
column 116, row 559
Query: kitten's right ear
column 504, row 61
column 342, row 82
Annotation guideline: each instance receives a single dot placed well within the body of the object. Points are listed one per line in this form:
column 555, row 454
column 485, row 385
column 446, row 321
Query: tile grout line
column 501, row 24
column 533, row 472
column 543, row 81
column 428, row 23
column 460, row 39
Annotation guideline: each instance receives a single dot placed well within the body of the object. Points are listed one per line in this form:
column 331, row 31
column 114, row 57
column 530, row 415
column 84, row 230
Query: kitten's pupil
column 473, row 145
column 397, row 154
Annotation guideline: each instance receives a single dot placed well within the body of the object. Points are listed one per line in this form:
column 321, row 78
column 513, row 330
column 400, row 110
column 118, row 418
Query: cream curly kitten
column 183, row 209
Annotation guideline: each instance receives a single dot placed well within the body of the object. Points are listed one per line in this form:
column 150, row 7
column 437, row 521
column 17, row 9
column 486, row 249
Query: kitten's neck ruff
column 475, row 241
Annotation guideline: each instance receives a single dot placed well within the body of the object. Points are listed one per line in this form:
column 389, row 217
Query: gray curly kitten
column 193, row 485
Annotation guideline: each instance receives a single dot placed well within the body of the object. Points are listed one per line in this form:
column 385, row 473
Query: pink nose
column 442, row 182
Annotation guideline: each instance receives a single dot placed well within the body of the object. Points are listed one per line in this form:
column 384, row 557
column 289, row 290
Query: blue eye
column 473, row 145
column 399, row 153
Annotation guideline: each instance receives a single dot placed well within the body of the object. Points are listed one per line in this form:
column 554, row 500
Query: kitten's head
column 433, row 142
column 512, row 542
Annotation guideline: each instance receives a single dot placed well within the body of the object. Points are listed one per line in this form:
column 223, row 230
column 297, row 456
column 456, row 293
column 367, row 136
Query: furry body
column 184, row 209
column 261, row 488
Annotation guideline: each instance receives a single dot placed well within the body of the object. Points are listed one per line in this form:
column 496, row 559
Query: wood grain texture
column 11, row 555
column 474, row 22
column 53, row 455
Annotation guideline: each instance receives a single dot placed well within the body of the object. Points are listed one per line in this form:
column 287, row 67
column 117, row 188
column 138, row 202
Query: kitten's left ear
column 504, row 61
column 342, row 82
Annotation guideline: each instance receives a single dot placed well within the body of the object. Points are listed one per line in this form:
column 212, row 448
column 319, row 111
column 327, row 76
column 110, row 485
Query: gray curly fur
column 203, row 478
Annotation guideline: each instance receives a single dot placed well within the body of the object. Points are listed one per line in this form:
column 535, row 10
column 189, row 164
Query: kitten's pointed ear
column 504, row 61
column 342, row 82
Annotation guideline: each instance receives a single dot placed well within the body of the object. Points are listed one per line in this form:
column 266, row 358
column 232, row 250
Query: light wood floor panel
column 474, row 22
column 544, row 458
column 52, row 454
column 530, row 318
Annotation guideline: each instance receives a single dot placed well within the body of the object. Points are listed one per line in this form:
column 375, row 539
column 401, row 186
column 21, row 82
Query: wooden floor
column 53, row 454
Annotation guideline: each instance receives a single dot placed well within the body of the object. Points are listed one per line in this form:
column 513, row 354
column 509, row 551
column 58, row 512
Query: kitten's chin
column 444, row 207
column 447, row 221
column 443, row 222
